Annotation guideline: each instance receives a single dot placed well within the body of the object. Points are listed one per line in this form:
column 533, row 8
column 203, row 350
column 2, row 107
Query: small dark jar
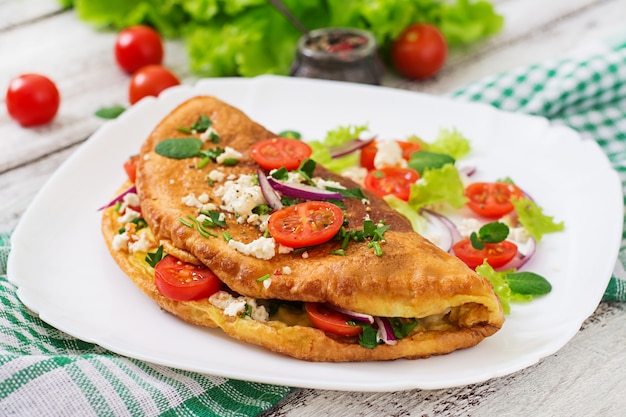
column 342, row 54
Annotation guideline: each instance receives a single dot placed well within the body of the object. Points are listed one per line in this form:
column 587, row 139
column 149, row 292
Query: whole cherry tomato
column 419, row 52
column 138, row 46
column 32, row 99
column 150, row 81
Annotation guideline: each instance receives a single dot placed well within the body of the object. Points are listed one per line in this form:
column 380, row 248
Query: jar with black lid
column 342, row 54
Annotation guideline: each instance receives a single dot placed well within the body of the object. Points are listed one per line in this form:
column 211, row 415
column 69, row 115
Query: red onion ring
column 362, row 317
column 385, row 331
column 520, row 259
column 307, row 192
column 120, row 197
column 349, row 147
column 454, row 233
column 270, row 195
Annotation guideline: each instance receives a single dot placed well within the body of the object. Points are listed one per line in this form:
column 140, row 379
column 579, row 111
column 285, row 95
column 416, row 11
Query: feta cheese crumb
column 240, row 196
column 389, row 154
column 120, row 241
column 217, row 176
column 261, row 248
column 286, row 270
column 128, row 216
column 467, row 226
column 142, row 245
column 235, row 307
column 267, row 283
column 229, row 153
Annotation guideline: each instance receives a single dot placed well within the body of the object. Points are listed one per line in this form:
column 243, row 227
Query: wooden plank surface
column 585, row 378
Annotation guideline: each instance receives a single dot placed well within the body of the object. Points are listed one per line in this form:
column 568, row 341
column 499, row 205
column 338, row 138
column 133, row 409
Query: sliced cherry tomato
column 183, row 281
column 138, row 46
column 496, row 254
column 130, row 166
column 491, row 199
column 330, row 321
column 391, row 180
column 280, row 152
column 32, row 99
column 305, row 224
column 419, row 52
column 150, row 81
column 368, row 153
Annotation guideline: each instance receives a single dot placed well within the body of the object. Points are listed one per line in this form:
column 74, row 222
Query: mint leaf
column 153, row 258
column 110, row 112
column 179, row 148
column 422, row 160
column 528, row 283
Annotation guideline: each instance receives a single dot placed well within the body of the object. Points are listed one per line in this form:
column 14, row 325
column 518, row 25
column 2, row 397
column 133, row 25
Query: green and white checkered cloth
column 44, row 372
column 587, row 94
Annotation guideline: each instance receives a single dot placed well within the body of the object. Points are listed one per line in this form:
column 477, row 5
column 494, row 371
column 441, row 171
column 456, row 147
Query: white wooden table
column 585, row 378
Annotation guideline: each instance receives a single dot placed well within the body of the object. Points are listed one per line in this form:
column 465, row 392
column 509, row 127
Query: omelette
column 404, row 297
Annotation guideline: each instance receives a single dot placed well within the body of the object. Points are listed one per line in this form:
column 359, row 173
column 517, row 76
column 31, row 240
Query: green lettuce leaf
column 532, row 218
column 337, row 137
column 442, row 185
column 499, row 282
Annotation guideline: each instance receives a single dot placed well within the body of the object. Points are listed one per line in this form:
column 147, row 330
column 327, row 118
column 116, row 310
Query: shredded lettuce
column 531, row 216
column 441, row 185
column 250, row 37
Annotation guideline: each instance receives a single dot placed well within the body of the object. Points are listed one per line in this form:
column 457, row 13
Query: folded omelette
column 411, row 299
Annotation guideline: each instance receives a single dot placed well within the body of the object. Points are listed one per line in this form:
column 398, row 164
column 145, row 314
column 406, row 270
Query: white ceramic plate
column 64, row 273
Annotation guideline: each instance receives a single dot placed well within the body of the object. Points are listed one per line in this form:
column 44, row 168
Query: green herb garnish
column 153, row 258
column 422, row 160
column 110, row 112
column 494, row 232
column 179, row 148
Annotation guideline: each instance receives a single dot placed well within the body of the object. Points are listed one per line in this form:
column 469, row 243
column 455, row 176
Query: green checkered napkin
column 44, row 372
column 588, row 94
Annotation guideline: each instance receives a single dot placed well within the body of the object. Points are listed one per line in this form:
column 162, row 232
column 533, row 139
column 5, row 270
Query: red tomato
column 391, row 180
column 330, row 321
column 150, row 81
column 183, row 281
column 419, row 52
column 496, row 254
column 32, row 99
column 305, row 224
column 280, row 152
column 491, row 199
column 130, row 166
column 138, row 46
column 368, row 153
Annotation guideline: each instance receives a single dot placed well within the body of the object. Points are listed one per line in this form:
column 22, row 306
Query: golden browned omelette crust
column 412, row 279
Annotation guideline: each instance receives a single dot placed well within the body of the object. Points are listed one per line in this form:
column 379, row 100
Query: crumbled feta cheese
column 356, row 174
column 207, row 134
column 190, row 200
column 389, row 154
column 519, row 234
column 240, row 196
column 120, row 241
column 322, row 183
column 267, row 283
column 284, row 249
column 217, row 176
column 236, row 306
column 467, row 226
column 261, row 248
column 142, row 245
column 128, row 216
column 305, row 255
column 229, row 153
column 210, row 207
column 286, row 270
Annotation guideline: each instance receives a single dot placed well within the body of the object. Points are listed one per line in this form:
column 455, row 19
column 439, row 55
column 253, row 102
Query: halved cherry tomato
column 183, row 281
column 280, row 152
column 305, row 224
column 391, row 180
column 138, row 46
column 130, row 166
column 496, row 254
column 331, row 321
column 491, row 199
column 368, row 153
column 150, row 80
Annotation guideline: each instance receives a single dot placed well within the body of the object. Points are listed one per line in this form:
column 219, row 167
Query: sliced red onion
column 120, row 197
column 448, row 224
column 467, row 170
column 304, row 191
column 365, row 318
column 385, row 331
column 520, row 258
column 270, row 195
column 349, row 147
